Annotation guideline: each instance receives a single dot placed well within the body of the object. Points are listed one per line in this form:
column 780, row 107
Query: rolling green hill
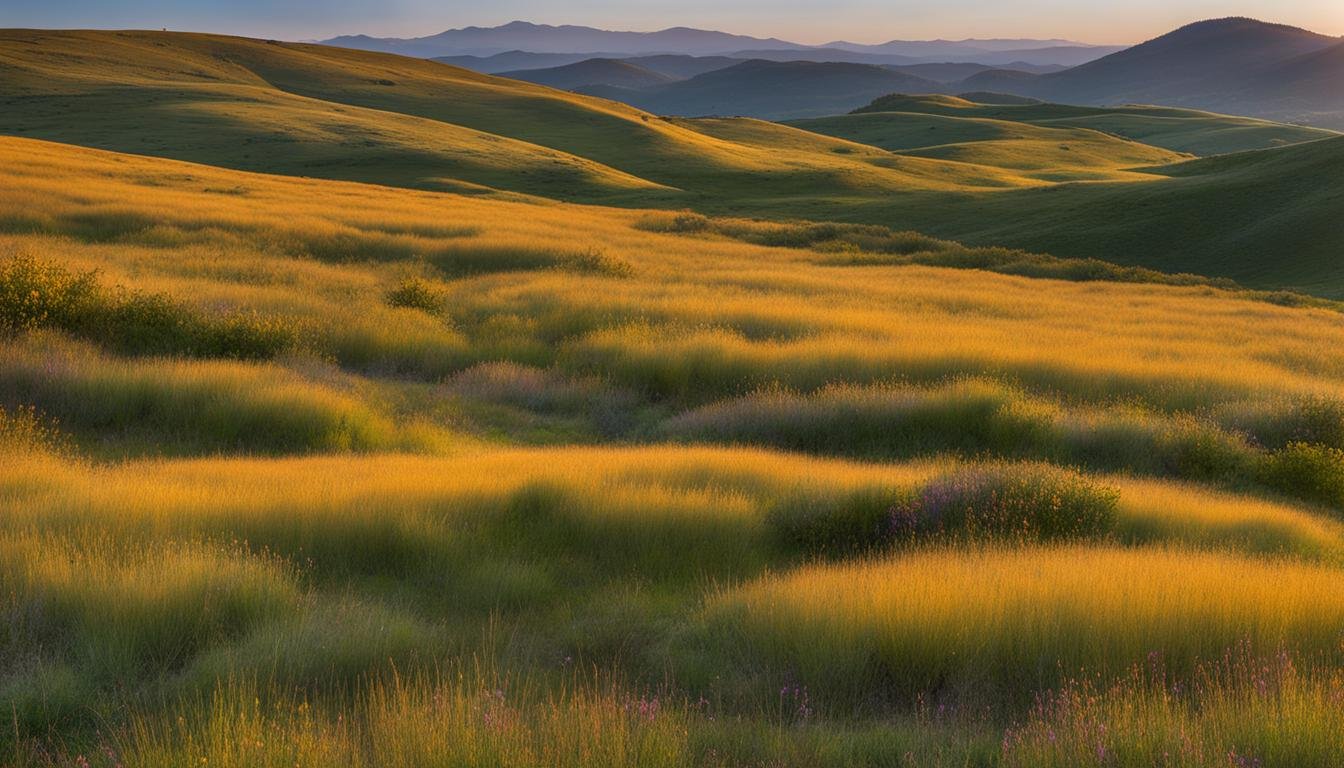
column 1035, row 176
column 1180, row 130
column 346, row 114
column 1046, row 153
column 1264, row 218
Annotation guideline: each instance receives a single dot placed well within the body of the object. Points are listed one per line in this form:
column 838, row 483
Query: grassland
column 419, row 461
column 519, row 482
column 1031, row 177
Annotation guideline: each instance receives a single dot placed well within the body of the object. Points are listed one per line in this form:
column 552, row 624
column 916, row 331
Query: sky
column 804, row 21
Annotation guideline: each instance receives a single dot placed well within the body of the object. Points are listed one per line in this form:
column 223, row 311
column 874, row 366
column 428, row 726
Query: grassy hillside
column 352, row 115
column 1232, row 214
column 1180, row 130
column 300, row 471
column 339, row 113
column 1046, row 153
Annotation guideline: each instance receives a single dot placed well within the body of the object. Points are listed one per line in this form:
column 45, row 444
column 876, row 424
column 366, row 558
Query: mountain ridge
column 571, row 39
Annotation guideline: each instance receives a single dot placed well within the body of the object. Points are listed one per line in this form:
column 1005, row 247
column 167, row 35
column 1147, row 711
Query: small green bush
column 1014, row 503
column 841, row 525
column 41, row 294
column 689, row 222
column 981, row 504
column 594, row 262
column 1311, row 472
column 35, row 294
column 417, row 293
column 1276, row 424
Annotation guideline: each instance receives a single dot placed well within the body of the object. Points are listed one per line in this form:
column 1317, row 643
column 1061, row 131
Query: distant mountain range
column 521, row 36
column 1236, row 65
column 685, row 65
column 607, row 72
column 599, row 75
column 772, row 90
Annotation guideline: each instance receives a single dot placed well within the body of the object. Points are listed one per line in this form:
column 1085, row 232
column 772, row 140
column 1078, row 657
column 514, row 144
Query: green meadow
column 364, row 411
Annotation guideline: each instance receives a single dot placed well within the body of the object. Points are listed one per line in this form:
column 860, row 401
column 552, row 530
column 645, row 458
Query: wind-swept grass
column 37, row 294
column 899, row 541
column 192, row 406
column 961, row 623
column 1239, row 710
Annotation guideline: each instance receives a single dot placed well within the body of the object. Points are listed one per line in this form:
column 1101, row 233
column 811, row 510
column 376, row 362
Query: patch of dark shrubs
column 983, row 504
column 1310, row 472
column 1274, row 425
column 1014, row 504
column 417, row 293
column 37, row 294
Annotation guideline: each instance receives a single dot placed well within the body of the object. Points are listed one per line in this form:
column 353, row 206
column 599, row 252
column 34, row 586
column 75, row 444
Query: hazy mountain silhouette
column 515, row 60
column 1189, row 64
column 1235, row 65
column 613, row 72
column 925, row 48
column 544, row 38
column 681, row 67
column 773, row 90
column 484, row 42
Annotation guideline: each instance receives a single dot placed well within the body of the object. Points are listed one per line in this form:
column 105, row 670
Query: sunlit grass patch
column 954, row 623
column 191, row 406
column 37, row 294
column 121, row 612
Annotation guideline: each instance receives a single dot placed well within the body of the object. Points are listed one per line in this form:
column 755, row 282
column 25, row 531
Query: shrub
column 1013, row 503
column 41, row 294
column 689, row 222
column 1312, row 472
column 1277, row 423
column 840, row 525
column 417, row 293
column 594, row 262
column 34, row 294
column 1022, row 504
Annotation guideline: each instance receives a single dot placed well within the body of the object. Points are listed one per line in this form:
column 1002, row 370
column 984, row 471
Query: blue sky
column 808, row 21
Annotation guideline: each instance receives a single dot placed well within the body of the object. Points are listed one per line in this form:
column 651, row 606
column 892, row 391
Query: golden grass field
column 314, row 472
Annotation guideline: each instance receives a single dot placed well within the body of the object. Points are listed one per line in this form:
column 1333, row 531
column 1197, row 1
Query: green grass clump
column 840, row 524
column 36, row 293
column 1278, row 423
column 973, row 418
column 417, row 293
column 1241, row 711
column 189, row 406
column 1014, row 504
column 1311, row 472
column 996, row 626
column 981, row 504
column 118, row 614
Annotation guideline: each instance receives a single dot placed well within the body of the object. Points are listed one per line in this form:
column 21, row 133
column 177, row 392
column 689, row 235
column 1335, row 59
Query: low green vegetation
column 38, row 294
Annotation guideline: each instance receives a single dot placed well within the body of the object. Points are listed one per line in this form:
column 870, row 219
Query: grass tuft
column 37, row 294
